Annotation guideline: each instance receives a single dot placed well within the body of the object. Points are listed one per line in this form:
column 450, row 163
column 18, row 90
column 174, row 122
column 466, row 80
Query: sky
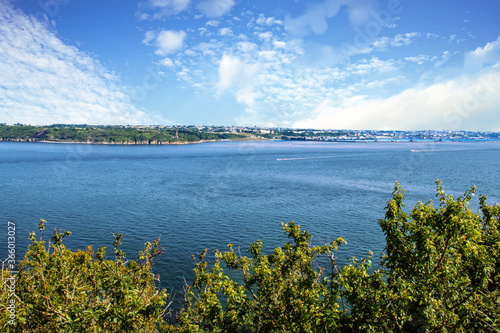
column 323, row 64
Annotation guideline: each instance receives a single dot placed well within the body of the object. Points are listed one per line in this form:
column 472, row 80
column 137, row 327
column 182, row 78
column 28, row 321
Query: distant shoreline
column 167, row 143
column 128, row 143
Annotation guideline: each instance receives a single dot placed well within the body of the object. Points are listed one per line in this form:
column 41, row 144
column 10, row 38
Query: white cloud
column 420, row 59
column 208, row 49
column 45, row 81
column 163, row 8
column 396, row 41
column 404, row 39
column 213, row 23
column 468, row 103
column 266, row 35
column 279, row 44
column 204, row 32
column 247, row 47
column 149, row 36
column 267, row 55
column 268, row 71
column 314, row 19
column 359, row 11
column 167, row 62
column 381, row 83
column 231, row 70
column 363, row 44
column 268, row 21
column 239, row 77
column 169, row 41
column 483, row 56
column 225, row 32
column 176, row 5
column 215, row 8
column 444, row 59
column 374, row 64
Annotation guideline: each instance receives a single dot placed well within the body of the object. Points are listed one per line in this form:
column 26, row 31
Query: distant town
column 350, row 135
column 159, row 134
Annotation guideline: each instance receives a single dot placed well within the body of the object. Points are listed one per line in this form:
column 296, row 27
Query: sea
column 205, row 196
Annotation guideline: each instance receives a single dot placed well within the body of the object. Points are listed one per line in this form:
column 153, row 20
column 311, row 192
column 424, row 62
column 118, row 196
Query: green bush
column 440, row 273
column 58, row 290
column 281, row 292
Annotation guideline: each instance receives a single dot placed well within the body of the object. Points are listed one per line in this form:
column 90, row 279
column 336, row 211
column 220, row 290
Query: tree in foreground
column 440, row 273
column 280, row 292
column 58, row 290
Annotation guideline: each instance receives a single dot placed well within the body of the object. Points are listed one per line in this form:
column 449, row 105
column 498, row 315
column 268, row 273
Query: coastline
column 167, row 143
column 129, row 143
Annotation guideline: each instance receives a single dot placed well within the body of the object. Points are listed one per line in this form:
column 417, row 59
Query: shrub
column 440, row 273
column 58, row 290
column 280, row 292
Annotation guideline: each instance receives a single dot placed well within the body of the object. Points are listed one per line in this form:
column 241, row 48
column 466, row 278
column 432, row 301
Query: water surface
column 208, row 195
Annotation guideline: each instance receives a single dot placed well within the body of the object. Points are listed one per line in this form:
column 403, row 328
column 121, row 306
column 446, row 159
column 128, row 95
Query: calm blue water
column 209, row 195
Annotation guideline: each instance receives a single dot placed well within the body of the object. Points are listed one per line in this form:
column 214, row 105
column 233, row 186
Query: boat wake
column 303, row 158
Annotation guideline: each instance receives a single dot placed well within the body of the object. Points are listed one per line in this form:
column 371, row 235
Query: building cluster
column 316, row 134
column 395, row 135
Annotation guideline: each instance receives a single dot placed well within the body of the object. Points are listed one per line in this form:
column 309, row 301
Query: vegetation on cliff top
column 440, row 273
column 110, row 134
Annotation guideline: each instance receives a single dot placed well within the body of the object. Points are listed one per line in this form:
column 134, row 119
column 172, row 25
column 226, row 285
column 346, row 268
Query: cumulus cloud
column 226, row 32
column 166, row 42
column 149, row 36
column 46, row 81
column 215, row 8
column 170, row 41
column 465, row 103
column 213, row 23
column 265, row 35
column 268, row 21
column 269, row 72
column 345, row 97
column 238, row 76
column 483, row 56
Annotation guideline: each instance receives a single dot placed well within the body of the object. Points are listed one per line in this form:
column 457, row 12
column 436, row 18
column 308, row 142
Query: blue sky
column 332, row 64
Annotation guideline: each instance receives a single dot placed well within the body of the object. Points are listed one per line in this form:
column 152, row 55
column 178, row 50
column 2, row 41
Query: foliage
column 440, row 273
column 280, row 292
column 58, row 290
column 109, row 134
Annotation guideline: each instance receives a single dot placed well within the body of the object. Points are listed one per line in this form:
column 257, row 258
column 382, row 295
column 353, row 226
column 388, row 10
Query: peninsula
column 184, row 134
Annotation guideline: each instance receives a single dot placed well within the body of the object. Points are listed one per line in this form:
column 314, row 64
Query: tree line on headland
column 440, row 273
column 110, row 134
column 151, row 134
column 159, row 134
